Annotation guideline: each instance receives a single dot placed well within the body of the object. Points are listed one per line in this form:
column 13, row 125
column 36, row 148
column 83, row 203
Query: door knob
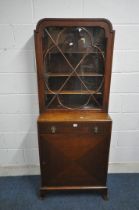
column 95, row 129
column 53, row 129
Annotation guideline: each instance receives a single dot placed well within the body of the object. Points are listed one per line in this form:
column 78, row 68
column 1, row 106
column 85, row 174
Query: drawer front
column 60, row 128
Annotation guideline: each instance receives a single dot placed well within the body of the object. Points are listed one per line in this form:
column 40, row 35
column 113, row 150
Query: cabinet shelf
column 74, row 75
column 73, row 92
column 75, row 52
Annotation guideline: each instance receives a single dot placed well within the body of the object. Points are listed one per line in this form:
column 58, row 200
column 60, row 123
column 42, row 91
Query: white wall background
column 18, row 86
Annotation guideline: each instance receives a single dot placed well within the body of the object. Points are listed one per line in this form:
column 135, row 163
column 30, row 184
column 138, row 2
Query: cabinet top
column 104, row 23
column 74, row 60
column 73, row 116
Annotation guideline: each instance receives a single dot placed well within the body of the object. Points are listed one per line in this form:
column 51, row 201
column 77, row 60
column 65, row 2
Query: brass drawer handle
column 53, row 129
column 95, row 129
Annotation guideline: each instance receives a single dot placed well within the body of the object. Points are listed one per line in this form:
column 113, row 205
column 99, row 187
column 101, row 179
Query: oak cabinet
column 74, row 58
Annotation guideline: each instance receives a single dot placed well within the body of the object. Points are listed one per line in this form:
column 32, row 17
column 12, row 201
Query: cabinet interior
column 74, row 67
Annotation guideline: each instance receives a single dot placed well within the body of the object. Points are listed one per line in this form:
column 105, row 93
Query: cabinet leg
column 42, row 194
column 104, row 194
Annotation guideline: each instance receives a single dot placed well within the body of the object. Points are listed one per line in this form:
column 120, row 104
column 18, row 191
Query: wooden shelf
column 73, row 92
column 74, row 75
column 90, row 51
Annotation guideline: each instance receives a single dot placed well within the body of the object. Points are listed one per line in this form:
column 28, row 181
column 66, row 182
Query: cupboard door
column 74, row 160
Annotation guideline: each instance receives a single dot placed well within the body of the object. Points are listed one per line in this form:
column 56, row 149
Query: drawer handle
column 53, row 129
column 75, row 125
column 95, row 129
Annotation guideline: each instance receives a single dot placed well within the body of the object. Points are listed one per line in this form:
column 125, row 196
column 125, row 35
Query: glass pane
column 74, row 60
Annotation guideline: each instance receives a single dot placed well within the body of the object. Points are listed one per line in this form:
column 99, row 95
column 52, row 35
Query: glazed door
column 74, row 62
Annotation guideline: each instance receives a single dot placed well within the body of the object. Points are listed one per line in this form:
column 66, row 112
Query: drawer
column 55, row 128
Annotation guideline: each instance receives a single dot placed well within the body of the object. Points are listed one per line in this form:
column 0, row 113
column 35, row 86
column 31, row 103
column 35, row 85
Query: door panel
column 74, row 160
